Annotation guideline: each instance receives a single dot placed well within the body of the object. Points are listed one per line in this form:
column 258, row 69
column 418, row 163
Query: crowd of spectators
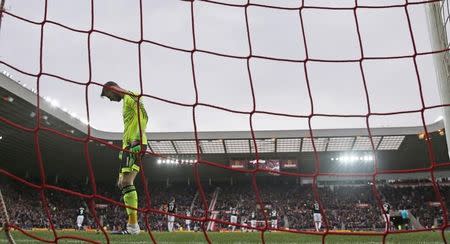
column 348, row 207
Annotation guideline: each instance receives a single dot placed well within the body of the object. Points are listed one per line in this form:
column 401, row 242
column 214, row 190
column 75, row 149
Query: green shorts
column 131, row 161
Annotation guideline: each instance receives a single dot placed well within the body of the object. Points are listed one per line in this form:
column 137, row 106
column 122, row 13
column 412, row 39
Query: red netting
column 91, row 198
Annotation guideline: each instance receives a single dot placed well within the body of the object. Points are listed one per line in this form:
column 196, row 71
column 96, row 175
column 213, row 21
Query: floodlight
column 54, row 103
column 84, row 121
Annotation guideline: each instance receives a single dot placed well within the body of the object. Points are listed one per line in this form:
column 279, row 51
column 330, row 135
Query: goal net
column 373, row 56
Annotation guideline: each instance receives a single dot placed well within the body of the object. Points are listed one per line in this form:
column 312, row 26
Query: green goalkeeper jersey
column 130, row 120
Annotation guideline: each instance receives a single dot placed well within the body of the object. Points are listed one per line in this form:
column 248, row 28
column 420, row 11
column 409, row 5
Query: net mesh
column 91, row 198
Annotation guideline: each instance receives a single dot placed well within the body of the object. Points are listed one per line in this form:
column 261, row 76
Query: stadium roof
column 230, row 141
column 399, row 144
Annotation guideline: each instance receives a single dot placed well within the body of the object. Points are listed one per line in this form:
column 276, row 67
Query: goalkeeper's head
column 112, row 91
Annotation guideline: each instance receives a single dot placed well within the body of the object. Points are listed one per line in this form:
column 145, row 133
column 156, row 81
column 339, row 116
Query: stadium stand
column 348, row 207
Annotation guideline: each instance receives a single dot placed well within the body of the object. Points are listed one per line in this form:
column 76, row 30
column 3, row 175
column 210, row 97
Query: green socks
column 130, row 198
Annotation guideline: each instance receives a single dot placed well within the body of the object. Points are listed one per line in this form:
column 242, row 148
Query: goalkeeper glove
column 134, row 150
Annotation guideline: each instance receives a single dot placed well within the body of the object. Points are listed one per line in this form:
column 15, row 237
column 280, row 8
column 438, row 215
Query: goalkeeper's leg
column 129, row 194
column 130, row 166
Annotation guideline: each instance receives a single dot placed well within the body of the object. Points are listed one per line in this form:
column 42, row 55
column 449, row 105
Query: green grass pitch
column 237, row 237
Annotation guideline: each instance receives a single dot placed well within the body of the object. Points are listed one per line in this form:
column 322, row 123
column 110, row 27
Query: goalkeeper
column 135, row 141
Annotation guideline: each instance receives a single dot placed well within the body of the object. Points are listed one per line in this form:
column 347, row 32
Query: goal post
column 5, row 218
column 438, row 19
column 2, row 7
column 305, row 145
